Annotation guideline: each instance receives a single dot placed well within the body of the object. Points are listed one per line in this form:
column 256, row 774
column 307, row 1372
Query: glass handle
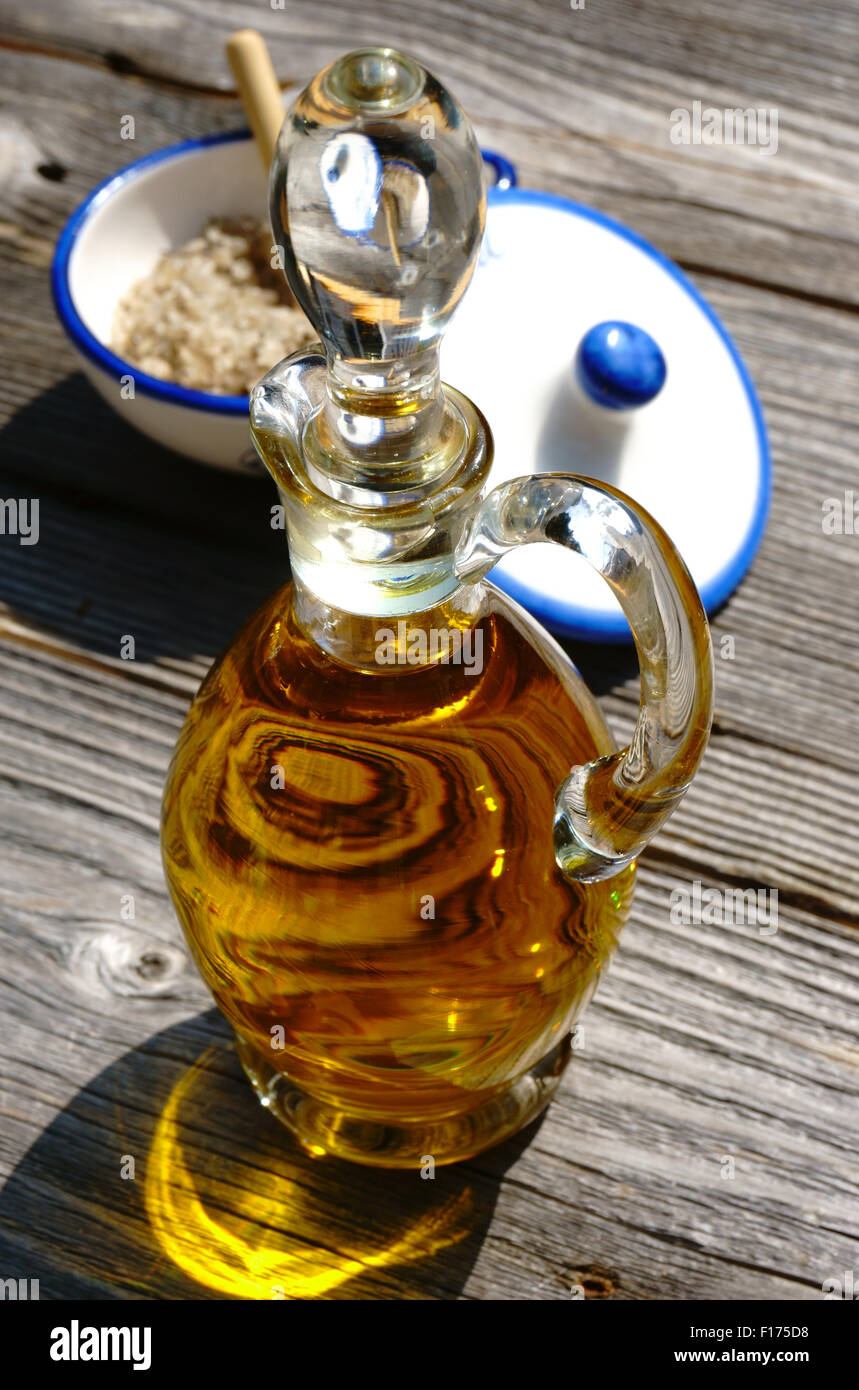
column 607, row 810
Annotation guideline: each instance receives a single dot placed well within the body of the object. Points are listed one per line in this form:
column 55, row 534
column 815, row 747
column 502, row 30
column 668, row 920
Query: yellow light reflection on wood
column 261, row 1245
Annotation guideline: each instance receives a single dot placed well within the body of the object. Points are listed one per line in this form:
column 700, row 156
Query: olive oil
column 362, row 863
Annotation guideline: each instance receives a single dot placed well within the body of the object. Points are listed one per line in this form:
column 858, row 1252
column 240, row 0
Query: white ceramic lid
column 695, row 456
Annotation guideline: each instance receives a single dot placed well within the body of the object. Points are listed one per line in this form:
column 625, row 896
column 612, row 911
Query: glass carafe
column 397, row 832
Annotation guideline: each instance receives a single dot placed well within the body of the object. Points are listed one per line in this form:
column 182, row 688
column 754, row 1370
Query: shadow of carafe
column 164, row 1178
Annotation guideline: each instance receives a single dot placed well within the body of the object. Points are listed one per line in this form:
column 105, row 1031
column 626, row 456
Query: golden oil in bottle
column 362, row 863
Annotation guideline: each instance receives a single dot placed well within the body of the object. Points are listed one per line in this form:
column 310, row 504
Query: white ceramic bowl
column 117, row 235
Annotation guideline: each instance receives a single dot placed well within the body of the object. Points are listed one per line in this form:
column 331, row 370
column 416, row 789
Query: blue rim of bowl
column 586, row 624
column 91, row 347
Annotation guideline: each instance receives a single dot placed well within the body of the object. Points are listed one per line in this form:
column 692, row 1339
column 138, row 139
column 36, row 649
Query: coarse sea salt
column 213, row 314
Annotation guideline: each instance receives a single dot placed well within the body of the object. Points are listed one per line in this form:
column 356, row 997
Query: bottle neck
column 374, row 589
column 384, row 425
column 443, row 634
column 380, row 545
column 388, row 548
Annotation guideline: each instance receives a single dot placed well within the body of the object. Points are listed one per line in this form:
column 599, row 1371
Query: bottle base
column 323, row 1130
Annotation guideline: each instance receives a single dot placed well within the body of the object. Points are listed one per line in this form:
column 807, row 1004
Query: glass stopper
column 378, row 204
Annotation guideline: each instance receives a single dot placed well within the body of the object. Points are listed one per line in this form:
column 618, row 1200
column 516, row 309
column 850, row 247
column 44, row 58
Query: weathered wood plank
column 583, row 106
column 794, row 51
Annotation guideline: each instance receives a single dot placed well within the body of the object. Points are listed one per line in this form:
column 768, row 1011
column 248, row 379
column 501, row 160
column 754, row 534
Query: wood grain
column 705, row 1042
column 580, row 99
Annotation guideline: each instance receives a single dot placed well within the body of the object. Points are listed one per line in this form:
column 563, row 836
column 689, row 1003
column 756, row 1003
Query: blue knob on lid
column 619, row 366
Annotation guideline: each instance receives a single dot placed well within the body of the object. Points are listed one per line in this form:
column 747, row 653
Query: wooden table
column 706, row 1044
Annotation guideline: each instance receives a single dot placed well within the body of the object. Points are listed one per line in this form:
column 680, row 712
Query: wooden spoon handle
column 259, row 90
